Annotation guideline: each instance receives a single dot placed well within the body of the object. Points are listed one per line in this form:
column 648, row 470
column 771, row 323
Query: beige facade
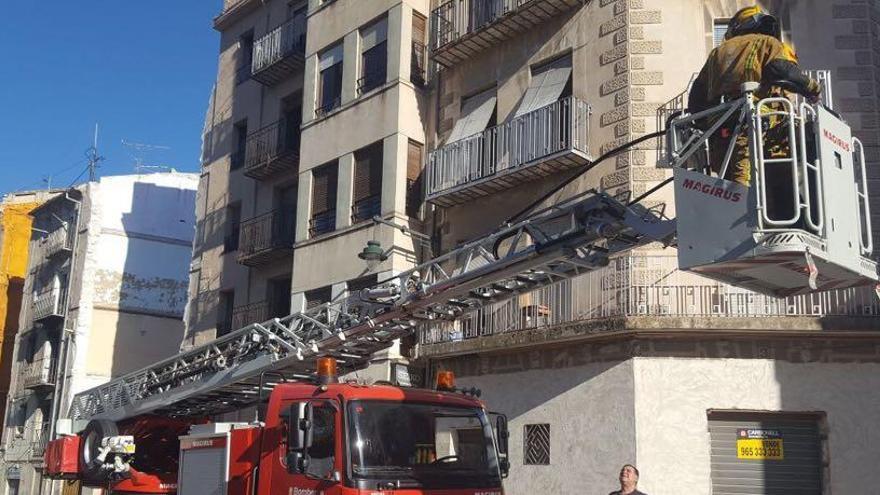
column 518, row 96
column 358, row 138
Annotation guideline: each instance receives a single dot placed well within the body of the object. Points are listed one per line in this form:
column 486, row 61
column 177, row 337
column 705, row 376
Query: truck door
column 323, row 474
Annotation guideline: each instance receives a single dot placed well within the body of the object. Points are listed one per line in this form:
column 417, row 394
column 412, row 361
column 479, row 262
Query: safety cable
column 611, row 154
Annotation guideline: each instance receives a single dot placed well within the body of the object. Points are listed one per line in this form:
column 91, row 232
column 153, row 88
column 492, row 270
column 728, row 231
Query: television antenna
column 139, row 151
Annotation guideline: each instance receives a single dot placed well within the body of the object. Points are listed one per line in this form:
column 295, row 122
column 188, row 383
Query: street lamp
column 373, row 254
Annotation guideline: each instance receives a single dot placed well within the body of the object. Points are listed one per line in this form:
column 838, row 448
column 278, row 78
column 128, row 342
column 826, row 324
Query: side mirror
column 300, row 424
column 502, row 435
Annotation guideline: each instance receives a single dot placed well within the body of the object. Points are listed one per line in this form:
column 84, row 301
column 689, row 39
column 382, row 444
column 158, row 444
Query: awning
column 546, row 87
column 476, row 112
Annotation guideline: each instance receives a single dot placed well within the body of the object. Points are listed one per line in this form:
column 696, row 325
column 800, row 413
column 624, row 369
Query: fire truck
column 154, row 431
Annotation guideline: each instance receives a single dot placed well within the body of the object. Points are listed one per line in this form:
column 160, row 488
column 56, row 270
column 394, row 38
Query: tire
column 90, row 445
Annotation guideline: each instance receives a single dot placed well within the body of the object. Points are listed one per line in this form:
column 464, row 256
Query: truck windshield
column 432, row 446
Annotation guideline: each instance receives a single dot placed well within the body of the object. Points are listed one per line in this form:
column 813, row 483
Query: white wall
column 672, row 396
column 590, row 412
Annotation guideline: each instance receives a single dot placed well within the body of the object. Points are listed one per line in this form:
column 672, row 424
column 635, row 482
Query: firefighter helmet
column 753, row 20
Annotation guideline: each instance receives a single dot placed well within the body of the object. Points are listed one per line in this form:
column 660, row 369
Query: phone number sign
column 752, row 444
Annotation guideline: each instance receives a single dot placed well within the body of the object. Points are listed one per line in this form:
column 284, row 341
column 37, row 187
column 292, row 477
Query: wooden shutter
column 414, row 160
column 324, row 188
column 419, row 24
column 368, row 173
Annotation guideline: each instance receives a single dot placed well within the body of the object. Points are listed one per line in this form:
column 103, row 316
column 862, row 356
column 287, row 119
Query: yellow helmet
column 753, row 20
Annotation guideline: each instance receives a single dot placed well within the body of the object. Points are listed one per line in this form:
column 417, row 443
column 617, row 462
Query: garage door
column 765, row 454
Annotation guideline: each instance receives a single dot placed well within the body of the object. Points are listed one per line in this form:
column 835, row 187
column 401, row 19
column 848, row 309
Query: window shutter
column 367, row 173
column 324, row 188
column 414, row 160
column 419, row 24
column 476, row 112
column 548, row 83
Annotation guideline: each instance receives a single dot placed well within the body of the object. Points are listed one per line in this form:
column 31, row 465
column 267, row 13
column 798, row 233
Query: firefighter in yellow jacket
column 752, row 51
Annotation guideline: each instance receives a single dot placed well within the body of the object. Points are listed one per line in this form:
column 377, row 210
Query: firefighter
column 752, row 51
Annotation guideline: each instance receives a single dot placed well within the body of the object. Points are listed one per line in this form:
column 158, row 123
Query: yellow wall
column 15, row 222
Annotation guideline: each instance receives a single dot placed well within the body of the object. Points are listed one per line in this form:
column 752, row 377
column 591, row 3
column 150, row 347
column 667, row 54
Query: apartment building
column 15, row 233
column 639, row 362
column 315, row 127
column 104, row 294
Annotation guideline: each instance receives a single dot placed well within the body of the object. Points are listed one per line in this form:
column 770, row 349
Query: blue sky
column 141, row 70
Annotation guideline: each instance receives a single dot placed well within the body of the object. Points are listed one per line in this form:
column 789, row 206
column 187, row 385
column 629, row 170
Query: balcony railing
column 38, row 374
column 39, row 441
column 643, row 285
column 265, row 238
column 280, row 53
column 271, row 150
column 58, row 241
column 50, row 303
column 328, row 106
column 366, row 208
column 539, row 143
column 321, row 223
column 243, row 316
column 463, row 28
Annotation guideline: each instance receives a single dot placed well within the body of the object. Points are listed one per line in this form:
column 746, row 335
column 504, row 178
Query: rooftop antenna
column 138, row 151
column 93, row 157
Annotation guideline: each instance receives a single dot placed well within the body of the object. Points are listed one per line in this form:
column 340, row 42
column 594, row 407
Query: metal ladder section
column 562, row 241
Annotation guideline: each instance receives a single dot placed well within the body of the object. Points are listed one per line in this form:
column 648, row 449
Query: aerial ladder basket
column 802, row 225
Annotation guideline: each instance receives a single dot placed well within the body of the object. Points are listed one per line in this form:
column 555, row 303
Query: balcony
column 280, row 53
column 50, row 304
column 243, row 316
column 39, row 374
column 272, row 150
column 463, row 28
column 59, row 241
column 419, row 64
column 651, row 287
column 266, row 238
column 534, row 145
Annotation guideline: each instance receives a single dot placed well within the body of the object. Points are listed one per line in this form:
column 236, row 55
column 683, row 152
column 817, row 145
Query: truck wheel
column 95, row 431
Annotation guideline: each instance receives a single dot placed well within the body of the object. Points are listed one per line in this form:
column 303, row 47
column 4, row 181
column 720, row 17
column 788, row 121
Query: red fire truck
column 317, row 437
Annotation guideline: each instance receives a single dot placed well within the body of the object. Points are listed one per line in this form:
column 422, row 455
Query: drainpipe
column 67, row 336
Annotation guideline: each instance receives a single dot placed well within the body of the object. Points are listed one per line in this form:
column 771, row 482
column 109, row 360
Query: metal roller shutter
column 203, row 472
column 745, row 459
column 324, row 188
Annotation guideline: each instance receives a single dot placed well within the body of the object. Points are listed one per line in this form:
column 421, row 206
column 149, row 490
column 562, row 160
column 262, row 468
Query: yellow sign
column 754, row 444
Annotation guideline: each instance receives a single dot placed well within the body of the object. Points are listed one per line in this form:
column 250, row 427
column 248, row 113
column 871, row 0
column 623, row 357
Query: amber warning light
column 326, row 370
column 446, row 381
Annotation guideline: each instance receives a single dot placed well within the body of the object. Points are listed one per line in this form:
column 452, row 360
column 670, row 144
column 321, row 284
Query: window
column 324, row 183
column 322, row 453
column 367, row 188
column 233, row 228
column 225, row 309
column 240, row 152
column 12, row 486
column 419, row 65
column 550, row 82
column 317, row 297
column 374, row 57
column 414, row 178
column 330, row 80
column 536, row 451
column 291, row 119
column 279, row 297
column 245, row 57
column 477, row 112
column 719, row 30
column 298, row 14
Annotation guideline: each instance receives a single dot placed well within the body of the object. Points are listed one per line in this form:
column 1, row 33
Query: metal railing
column 273, row 230
column 58, row 240
column 643, row 285
column 243, row 316
column 366, row 208
column 457, row 18
column 49, row 302
column 560, row 126
column 372, row 78
column 41, row 372
column 419, row 64
column 40, row 441
column 285, row 40
column 323, row 222
column 328, row 107
column 269, row 143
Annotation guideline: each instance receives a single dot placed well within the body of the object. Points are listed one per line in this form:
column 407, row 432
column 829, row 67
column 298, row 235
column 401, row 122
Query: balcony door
column 279, row 297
